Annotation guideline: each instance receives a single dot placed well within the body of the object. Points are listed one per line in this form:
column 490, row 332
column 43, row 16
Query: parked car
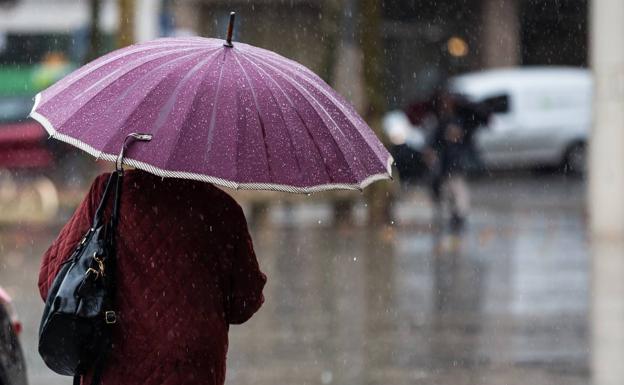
column 541, row 115
column 12, row 365
column 22, row 141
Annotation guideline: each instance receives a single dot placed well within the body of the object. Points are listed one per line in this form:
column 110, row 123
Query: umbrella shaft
column 230, row 30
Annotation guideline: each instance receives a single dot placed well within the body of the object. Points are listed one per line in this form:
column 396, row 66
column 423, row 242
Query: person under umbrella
column 187, row 270
column 228, row 114
column 451, row 155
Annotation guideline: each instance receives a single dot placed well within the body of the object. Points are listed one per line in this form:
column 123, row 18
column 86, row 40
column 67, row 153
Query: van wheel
column 575, row 160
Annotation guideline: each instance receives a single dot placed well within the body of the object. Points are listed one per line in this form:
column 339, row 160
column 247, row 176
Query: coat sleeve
column 69, row 237
column 246, row 280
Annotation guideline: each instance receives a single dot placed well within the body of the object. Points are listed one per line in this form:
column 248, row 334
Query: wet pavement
column 505, row 304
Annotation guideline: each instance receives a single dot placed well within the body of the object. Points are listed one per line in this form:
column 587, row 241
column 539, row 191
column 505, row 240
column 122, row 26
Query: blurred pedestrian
column 451, row 154
column 186, row 270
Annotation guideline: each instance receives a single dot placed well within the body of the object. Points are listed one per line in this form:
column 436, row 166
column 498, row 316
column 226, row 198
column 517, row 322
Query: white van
column 542, row 115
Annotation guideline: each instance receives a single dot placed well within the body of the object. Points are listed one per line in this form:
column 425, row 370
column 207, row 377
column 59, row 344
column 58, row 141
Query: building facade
column 424, row 41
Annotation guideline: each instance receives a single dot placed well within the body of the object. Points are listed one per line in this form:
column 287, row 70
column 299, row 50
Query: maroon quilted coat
column 186, row 271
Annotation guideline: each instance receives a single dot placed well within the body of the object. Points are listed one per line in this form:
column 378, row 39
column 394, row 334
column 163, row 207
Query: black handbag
column 75, row 330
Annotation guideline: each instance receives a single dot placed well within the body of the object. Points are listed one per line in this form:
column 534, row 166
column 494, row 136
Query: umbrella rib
column 308, row 77
column 178, row 41
column 84, row 105
column 95, row 65
column 299, row 88
column 303, row 122
column 213, row 57
column 213, row 117
column 350, row 115
column 262, row 127
column 168, row 106
column 139, row 82
column 129, row 68
column 290, row 138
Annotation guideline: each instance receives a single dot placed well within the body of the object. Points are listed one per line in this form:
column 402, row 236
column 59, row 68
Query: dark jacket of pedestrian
column 450, row 145
column 186, row 270
column 452, row 139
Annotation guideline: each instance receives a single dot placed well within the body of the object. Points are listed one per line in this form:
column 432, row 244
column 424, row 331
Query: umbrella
column 224, row 113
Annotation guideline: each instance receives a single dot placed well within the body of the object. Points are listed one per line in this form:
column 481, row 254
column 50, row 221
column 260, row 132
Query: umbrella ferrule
column 230, row 31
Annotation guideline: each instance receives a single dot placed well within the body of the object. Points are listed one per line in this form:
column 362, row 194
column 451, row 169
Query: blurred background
column 372, row 288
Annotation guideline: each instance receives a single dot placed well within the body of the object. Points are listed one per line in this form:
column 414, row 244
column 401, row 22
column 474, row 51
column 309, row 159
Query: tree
column 126, row 23
column 378, row 195
column 95, row 35
column 330, row 23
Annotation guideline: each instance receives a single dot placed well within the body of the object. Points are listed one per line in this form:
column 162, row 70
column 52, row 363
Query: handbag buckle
column 110, row 317
column 93, row 271
column 100, row 263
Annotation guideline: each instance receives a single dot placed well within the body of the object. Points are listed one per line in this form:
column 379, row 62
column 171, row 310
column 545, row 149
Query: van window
column 497, row 104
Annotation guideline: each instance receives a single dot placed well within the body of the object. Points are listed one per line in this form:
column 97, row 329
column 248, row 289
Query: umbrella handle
column 230, row 31
column 136, row 136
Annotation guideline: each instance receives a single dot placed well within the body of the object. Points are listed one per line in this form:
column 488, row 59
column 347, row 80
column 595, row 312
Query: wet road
column 506, row 304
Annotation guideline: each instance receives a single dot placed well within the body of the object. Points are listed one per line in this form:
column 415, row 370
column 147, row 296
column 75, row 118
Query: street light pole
column 606, row 193
column 501, row 33
column 606, row 155
column 379, row 196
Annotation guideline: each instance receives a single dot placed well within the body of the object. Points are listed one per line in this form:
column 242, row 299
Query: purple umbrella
column 230, row 114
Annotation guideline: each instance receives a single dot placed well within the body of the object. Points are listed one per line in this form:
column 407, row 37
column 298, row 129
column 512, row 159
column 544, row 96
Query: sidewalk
column 505, row 304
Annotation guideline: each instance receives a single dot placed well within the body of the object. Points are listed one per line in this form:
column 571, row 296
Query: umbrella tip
column 230, row 31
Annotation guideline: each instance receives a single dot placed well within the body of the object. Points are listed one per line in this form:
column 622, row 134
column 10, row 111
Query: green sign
column 27, row 81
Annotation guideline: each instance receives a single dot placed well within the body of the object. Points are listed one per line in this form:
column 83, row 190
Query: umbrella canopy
column 237, row 116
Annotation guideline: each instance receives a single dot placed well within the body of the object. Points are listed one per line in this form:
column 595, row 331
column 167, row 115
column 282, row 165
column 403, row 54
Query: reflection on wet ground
column 506, row 304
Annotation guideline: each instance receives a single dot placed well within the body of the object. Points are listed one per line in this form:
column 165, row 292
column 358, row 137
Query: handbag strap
column 117, row 200
column 115, row 177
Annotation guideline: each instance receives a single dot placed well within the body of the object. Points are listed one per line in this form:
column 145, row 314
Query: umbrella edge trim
column 49, row 127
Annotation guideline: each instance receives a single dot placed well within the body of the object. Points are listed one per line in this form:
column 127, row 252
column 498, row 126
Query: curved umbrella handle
column 136, row 136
